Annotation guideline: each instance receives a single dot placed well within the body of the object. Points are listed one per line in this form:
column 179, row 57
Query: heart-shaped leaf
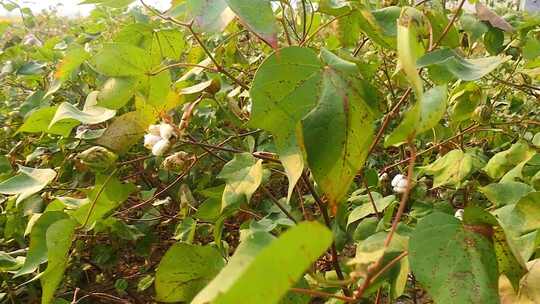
column 453, row 262
column 27, row 182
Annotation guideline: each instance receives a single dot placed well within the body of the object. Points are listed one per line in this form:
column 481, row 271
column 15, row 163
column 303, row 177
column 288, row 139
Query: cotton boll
column 459, row 214
column 396, row 179
column 150, row 140
column 402, row 183
column 161, row 147
column 166, row 131
column 383, row 177
column 154, row 129
column 400, row 189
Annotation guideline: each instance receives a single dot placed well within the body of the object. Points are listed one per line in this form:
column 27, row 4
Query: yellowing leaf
column 243, row 175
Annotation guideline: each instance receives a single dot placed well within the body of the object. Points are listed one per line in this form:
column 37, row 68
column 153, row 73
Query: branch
column 322, row 26
column 189, row 26
column 316, row 293
column 372, row 275
column 326, row 217
column 448, row 26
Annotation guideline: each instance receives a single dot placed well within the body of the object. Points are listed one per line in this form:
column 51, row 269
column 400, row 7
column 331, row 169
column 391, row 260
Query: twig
column 448, row 26
column 371, row 198
column 94, row 202
column 471, row 128
column 181, row 65
column 322, row 26
column 178, row 179
column 189, row 27
column 316, row 293
column 402, row 204
column 326, row 217
column 386, row 120
column 278, row 204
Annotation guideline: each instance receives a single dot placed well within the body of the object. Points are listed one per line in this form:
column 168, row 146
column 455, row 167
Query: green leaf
column 184, row 270
column 74, row 57
column 91, row 114
column 473, row 27
column 509, row 261
column 454, row 167
column 116, row 92
column 37, row 251
column 156, row 88
column 243, row 175
column 109, row 3
column 39, row 121
column 506, row 193
column 252, row 274
column 126, row 130
column 525, row 215
column 464, row 69
column 409, row 48
column 531, row 49
column 447, row 259
column 366, row 208
column 27, row 182
column 464, row 100
column 106, row 195
column 504, row 161
column 209, row 16
column 168, row 43
column 282, row 94
column 521, row 222
column 258, row 16
column 59, row 237
column 438, row 21
column 338, row 132
column 494, row 41
column 348, row 29
column 379, row 25
column 123, row 60
column 423, row 116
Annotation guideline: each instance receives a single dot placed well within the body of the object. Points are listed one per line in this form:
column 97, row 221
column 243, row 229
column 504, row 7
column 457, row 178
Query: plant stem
column 94, row 202
column 326, row 217
column 371, row 275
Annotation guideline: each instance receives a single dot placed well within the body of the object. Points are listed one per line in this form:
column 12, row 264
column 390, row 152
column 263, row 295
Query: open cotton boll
column 154, row 130
column 396, row 179
column 160, row 147
column 166, row 131
column 459, row 214
column 402, row 183
column 400, row 189
column 150, row 140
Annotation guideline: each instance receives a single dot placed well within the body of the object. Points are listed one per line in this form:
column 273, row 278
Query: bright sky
column 72, row 7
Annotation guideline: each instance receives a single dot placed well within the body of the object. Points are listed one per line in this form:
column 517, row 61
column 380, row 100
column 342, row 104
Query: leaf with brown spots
column 454, row 264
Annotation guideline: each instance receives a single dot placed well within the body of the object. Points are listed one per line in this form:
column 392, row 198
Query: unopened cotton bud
column 166, row 131
column 160, row 147
column 459, row 214
column 176, row 162
column 154, row 130
column 150, row 140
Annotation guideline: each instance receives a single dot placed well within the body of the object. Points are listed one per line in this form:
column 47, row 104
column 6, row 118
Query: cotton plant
column 158, row 138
